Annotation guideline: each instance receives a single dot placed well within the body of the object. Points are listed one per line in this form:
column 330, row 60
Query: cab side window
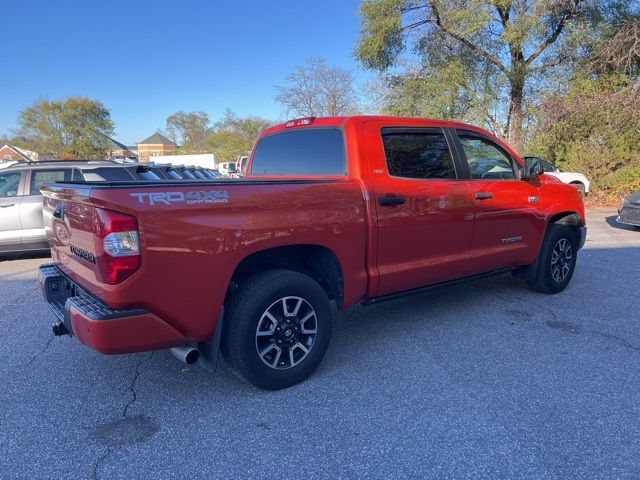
column 487, row 161
column 417, row 154
column 9, row 183
column 40, row 177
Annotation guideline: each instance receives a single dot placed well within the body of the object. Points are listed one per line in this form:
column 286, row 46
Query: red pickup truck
column 331, row 211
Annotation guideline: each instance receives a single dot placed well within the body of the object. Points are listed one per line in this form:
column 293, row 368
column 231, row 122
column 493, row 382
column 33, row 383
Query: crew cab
column 332, row 211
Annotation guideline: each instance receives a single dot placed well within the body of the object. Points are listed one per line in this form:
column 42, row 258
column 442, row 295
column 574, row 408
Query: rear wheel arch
column 315, row 261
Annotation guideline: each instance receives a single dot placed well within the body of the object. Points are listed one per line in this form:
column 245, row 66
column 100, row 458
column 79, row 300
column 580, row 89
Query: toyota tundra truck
column 332, row 212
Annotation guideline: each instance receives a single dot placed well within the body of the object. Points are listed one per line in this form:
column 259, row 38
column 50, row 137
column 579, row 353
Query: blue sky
column 146, row 60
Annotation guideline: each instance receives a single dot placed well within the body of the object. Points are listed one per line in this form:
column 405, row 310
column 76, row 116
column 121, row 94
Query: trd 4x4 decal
column 194, row 197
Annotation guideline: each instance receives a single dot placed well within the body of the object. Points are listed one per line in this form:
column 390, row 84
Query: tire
column 555, row 272
column 257, row 322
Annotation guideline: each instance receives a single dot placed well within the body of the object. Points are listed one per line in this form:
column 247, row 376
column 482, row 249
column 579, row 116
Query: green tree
column 594, row 127
column 509, row 45
column 317, row 90
column 190, row 130
column 233, row 136
column 73, row 127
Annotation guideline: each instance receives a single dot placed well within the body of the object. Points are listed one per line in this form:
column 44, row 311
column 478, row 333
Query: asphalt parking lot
column 484, row 380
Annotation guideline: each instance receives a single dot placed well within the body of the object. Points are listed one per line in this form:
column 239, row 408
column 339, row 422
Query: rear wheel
column 278, row 329
column 557, row 260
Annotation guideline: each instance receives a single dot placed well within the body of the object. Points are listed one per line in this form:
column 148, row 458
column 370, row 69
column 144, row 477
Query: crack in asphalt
column 96, row 465
column 616, row 339
column 132, row 386
column 41, row 351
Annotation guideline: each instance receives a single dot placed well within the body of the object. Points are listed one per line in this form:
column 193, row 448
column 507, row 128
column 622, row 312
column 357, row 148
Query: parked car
column 6, row 163
column 629, row 211
column 241, row 165
column 578, row 180
column 227, row 168
column 21, row 223
column 332, row 210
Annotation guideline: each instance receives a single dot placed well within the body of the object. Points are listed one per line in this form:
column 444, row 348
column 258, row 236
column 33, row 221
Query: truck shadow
column 363, row 337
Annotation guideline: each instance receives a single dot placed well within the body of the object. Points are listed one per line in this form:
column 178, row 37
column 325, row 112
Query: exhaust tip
column 192, row 356
column 186, row 354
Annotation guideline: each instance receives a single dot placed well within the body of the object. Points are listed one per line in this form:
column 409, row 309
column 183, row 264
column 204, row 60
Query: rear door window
column 40, row 177
column 9, row 183
column 314, row 151
column 417, row 154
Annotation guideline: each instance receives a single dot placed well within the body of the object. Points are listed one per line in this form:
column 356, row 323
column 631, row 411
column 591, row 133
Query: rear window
column 40, row 177
column 315, row 151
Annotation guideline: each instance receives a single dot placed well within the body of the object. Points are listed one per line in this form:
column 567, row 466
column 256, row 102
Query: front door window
column 486, row 160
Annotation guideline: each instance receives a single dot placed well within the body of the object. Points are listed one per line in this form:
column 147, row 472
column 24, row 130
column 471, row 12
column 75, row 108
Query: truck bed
column 194, row 234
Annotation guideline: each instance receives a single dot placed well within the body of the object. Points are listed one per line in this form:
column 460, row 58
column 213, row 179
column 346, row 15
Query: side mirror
column 232, row 168
column 532, row 167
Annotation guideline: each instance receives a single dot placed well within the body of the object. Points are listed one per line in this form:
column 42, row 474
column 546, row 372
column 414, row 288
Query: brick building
column 154, row 146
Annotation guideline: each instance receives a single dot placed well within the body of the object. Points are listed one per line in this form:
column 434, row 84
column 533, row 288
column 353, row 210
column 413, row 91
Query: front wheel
column 278, row 329
column 557, row 260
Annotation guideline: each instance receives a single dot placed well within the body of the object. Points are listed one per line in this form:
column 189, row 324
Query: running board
column 435, row 286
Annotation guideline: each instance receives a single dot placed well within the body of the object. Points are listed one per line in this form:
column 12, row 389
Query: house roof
column 27, row 155
column 115, row 145
column 156, row 139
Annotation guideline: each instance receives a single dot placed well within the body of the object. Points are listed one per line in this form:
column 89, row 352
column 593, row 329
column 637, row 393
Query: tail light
column 117, row 246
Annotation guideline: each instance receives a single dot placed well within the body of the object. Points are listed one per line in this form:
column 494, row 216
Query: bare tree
column 621, row 52
column 318, row 90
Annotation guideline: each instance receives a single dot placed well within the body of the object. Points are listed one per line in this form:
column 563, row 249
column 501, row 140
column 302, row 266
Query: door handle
column 483, row 195
column 388, row 201
column 7, row 206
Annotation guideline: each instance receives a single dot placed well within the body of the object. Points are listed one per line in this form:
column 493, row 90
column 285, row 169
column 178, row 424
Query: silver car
column 21, row 225
column 629, row 211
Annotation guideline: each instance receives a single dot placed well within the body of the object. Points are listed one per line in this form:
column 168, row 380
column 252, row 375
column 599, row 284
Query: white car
column 576, row 179
column 228, row 168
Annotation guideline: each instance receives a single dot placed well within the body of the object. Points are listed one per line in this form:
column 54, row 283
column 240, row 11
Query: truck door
column 10, row 228
column 509, row 224
column 424, row 212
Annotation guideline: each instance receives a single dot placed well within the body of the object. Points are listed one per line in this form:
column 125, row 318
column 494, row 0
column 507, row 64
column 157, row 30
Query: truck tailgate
column 70, row 221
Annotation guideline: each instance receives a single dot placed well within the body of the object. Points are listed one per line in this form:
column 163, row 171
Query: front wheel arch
column 570, row 219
